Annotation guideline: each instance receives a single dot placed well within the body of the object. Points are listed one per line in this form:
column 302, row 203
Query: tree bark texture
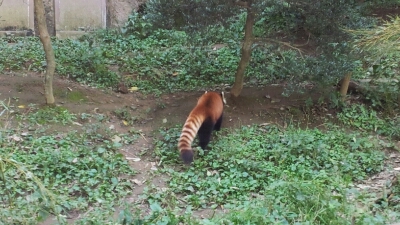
column 345, row 85
column 246, row 52
column 48, row 49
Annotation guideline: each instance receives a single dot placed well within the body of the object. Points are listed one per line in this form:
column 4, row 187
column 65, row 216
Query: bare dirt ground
column 254, row 106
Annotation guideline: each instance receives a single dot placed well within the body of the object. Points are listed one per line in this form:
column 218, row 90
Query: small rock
column 116, row 139
column 138, row 182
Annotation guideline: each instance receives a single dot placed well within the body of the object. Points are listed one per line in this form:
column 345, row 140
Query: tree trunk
column 48, row 49
column 344, row 86
column 246, row 52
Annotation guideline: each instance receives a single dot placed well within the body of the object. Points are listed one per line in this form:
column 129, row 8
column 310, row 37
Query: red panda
column 202, row 120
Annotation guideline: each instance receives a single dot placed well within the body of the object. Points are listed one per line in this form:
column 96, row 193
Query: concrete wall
column 74, row 15
column 49, row 9
column 67, row 17
column 16, row 15
column 119, row 11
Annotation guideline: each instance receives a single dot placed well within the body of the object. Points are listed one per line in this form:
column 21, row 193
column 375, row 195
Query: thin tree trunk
column 344, row 86
column 48, row 49
column 246, row 52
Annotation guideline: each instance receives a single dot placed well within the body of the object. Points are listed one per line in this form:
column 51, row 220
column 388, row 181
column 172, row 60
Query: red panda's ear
column 223, row 97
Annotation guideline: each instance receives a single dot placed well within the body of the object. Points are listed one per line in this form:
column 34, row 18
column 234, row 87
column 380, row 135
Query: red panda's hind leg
column 205, row 133
column 217, row 125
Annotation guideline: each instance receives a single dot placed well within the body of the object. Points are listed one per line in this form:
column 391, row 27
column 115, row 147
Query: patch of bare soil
column 254, row 106
column 386, row 13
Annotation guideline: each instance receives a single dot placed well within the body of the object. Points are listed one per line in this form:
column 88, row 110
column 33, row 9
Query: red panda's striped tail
column 189, row 132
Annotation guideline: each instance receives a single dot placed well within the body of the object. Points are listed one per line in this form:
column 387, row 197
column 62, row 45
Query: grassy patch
column 367, row 119
column 71, row 96
column 49, row 114
column 163, row 61
column 59, row 173
column 251, row 158
column 285, row 176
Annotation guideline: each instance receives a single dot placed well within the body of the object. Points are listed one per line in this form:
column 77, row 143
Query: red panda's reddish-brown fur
column 202, row 120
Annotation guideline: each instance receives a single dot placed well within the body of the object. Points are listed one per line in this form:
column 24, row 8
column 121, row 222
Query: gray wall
column 16, row 14
column 67, row 17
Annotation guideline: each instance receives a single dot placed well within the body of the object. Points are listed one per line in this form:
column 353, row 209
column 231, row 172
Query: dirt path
column 255, row 105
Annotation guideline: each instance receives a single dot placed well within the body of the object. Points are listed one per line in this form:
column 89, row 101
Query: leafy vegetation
column 157, row 60
column 165, row 61
column 369, row 120
column 42, row 174
column 253, row 160
column 294, row 175
column 51, row 114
